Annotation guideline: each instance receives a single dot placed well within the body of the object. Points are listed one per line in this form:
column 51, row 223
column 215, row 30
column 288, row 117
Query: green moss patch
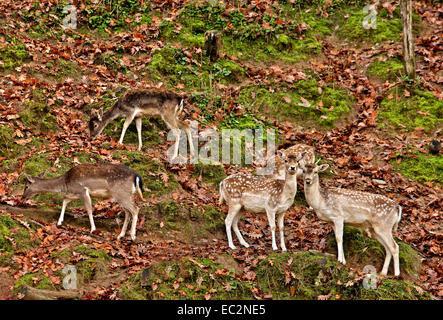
column 62, row 69
column 363, row 250
column 421, row 167
column 304, row 102
column 386, row 68
column 13, row 237
column 191, row 223
column 13, row 55
column 421, row 109
column 212, row 174
column 188, row 278
column 173, row 66
column 35, row 280
column 153, row 173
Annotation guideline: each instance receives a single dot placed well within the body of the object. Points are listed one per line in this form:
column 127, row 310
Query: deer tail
column 398, row 218
column 138, row 182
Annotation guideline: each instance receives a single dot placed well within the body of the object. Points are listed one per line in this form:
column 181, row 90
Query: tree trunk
column 408, row 38
column 212, row 44
column 28, row 293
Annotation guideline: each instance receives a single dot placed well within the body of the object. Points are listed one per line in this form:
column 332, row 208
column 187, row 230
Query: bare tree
column 408, row 38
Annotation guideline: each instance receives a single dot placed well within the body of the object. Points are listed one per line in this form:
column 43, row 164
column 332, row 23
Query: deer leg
column 187, row 129
column 384, row 270
column 125, row 226
column 270, row 213
column 62, row 214
column 177, row 142
column 237, row 231
column 125, row 127
column 88, row 206
column 393, row 248
column 138, row 123
column 233, row 211
column 338, row 231
column 280, row 221
column 129, row 205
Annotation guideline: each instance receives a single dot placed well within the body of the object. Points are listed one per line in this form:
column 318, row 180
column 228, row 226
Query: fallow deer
column 135, row 104
column 101, row 180
column 373, row 212
column 296, row 151
column 259, row 194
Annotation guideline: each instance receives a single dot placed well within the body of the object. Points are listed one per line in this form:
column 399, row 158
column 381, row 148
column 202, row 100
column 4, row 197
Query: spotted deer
column 376, row 213
column 295, row 150
column 101, row 180
column 135, row 104
column 259, row 194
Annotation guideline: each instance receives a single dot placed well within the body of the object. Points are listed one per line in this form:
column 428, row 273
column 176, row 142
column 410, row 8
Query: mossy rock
column 363, row 250
column 186, row 279
column 149, row 170
column 13, row 55
column 420, row 110
column 91, row 266
column 307, row 275
column 35, row 280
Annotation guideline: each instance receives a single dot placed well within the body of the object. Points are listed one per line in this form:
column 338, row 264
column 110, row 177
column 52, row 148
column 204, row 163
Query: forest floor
column 310, row 71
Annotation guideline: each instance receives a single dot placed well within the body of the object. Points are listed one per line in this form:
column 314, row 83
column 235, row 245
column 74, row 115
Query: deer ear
column 30, row 179
column 281, row 154
column 323, row 167
column 100, row 112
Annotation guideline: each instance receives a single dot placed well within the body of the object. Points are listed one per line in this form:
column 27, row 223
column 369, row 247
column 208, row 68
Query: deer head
column 95, row 123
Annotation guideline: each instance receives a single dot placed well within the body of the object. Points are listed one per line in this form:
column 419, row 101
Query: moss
column 364, row 250
column 11, row 150
column 421, row 167
column 13, row 55
column 389, row 289
column 36, row 280
column 36, row 113
column 286, row 103
column 420, row 110
column 186, row 279
column 173, row 66
column 149, row 171
column 212, row 174
column 62, row 69
column 386, row 68
column 13, row 237
column 307, row 275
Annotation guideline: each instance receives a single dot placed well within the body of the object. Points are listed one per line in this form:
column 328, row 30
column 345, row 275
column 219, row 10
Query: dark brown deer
column 100, row 180
column 151, row 102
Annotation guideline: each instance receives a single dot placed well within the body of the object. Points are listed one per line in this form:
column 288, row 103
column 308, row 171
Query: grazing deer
column 135, row 104
column 296, row 151
column 101, row 180
column 259, row 194
column 370, row 211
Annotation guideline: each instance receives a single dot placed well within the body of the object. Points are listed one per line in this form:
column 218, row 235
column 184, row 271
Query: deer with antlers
column 260, row 194
column 376, row 213
column 101, row 180
column 135, row 104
